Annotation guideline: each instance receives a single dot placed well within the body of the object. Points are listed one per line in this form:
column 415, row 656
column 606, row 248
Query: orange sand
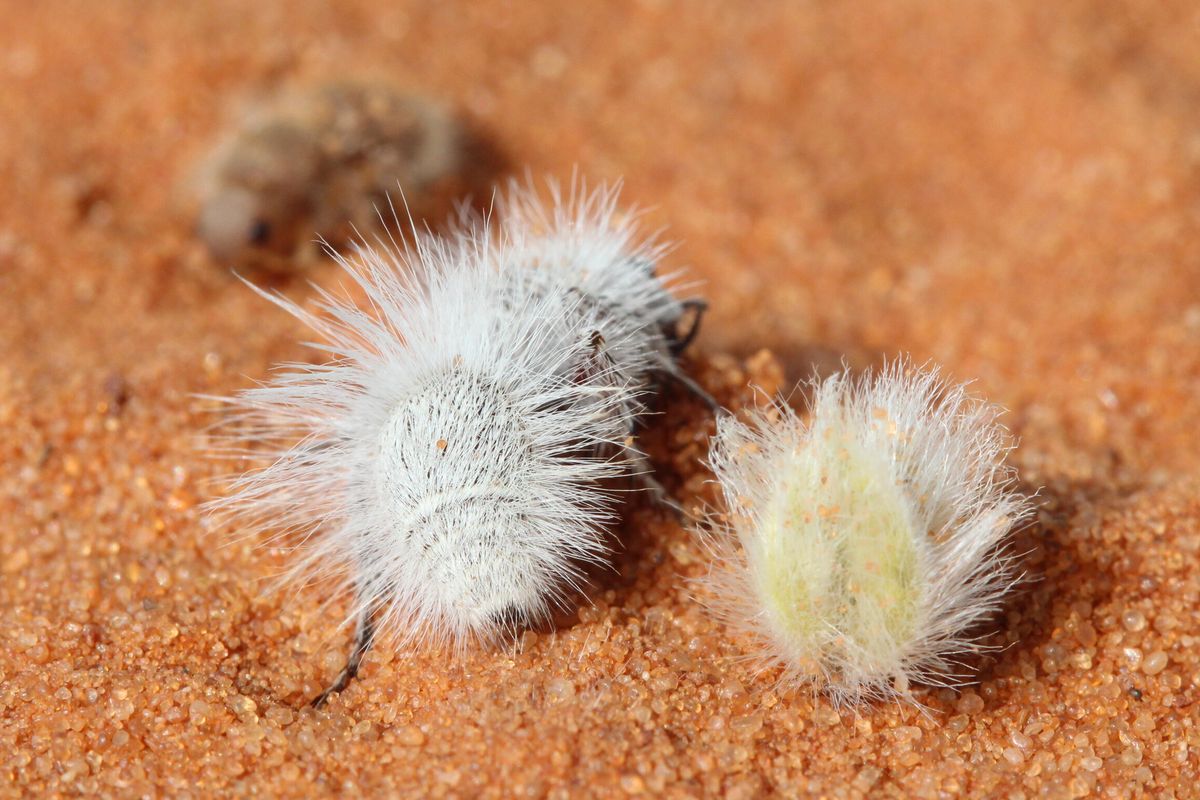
column 1009, row 188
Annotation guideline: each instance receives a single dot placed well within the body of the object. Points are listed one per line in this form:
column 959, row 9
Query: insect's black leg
column 677, row 343
column 661, row 498
column 364, row 634
column 696, row 389
column 643, row 473
column 697, row 307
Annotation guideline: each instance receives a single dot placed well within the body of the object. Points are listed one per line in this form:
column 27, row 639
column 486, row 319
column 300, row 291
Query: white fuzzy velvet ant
column 459, row 460
column 862, row 549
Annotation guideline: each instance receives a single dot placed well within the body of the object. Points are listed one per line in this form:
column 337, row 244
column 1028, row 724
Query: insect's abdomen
column 481, row 516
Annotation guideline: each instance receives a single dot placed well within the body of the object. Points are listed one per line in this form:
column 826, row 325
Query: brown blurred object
column 1010, row 188
column 323, row 161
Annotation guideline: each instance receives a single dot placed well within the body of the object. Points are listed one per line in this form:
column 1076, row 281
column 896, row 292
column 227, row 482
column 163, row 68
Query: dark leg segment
column 678, row 342
column 695, row 389
column 364, row 634
column 697, row 307
column 661, row 498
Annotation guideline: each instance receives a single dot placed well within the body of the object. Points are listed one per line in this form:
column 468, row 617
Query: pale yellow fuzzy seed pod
column 863, row 548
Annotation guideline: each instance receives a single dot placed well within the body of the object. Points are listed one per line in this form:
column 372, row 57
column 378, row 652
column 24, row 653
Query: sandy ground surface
column 1009, row 188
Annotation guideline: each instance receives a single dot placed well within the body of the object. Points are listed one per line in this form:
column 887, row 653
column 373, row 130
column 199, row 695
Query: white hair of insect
column 582, row 243
column 457, row 462
column 862, row 549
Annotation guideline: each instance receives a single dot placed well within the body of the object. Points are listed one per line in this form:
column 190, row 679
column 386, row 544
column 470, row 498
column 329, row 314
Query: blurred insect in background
column 318, row 161
column 457, row 465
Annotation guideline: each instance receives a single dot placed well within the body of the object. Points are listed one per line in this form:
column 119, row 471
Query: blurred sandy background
column 1009, row 188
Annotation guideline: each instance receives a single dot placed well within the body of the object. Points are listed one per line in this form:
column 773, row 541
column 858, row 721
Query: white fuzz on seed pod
column 863, row 548
column 457, row 464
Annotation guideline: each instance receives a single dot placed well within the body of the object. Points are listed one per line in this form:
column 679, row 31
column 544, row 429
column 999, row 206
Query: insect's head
column 234, row 222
